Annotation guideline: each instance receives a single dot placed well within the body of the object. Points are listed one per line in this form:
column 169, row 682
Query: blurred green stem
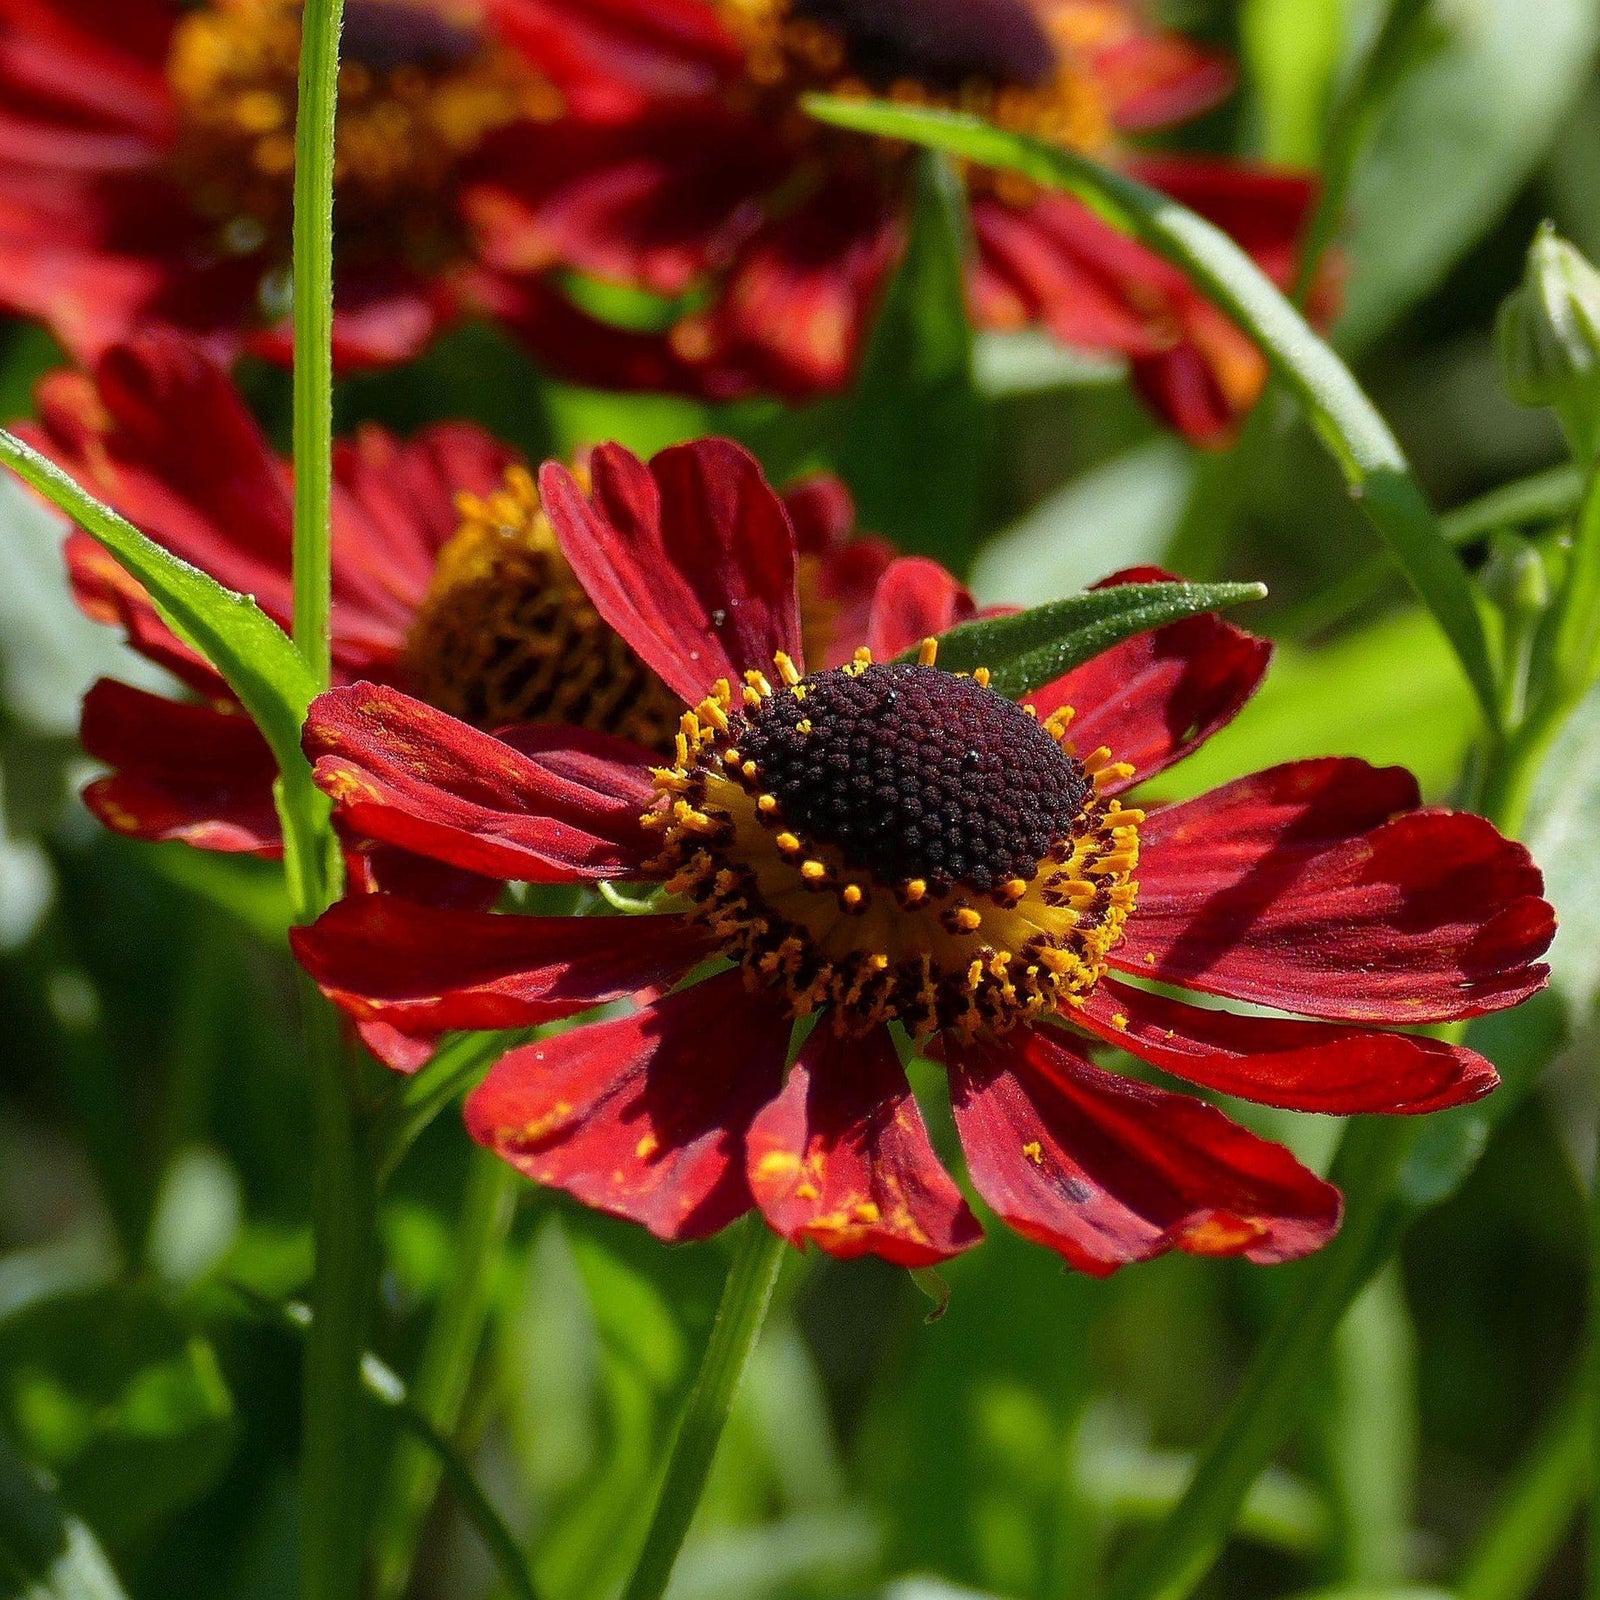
column 758, row 1255
column 1527, row 1527
column 444, row 1375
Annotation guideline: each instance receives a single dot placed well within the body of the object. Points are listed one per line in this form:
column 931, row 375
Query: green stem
column 439, row 1391
column 757, row 1257
column 313, row 332
column 1281, row 1378
column 333, row 1471
column 1527, row 1527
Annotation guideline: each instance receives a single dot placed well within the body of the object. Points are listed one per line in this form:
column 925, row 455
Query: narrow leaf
column 1036, row 647
column 230, row 630
column 1378, row 474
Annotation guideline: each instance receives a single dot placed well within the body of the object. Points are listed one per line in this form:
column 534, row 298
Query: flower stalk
column 758, row 1256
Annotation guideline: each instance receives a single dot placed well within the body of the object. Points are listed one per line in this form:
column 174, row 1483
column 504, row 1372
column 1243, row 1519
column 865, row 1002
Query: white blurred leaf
column 1119, row 514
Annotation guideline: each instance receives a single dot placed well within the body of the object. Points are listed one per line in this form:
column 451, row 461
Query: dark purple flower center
column 941, row 43
column 384, row 35
column 911, row 772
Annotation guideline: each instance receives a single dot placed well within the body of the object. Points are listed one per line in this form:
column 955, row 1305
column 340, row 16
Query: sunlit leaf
column 1460, row 137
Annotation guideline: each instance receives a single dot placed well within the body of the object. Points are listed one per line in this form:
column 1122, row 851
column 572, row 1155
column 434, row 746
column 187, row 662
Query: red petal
column 795, row 312
column 423, row 969
column 1293, row 889
column 1153, row 80
column 1301, row 1066
column 1106, row 1170
column 401, row 772
column 658, row 202
column 198, row 773
column 691, row 559
column 842, row 1158
column 166, row 439
column 644, row 1117
column 1154, row 699
column 822, row 511
column 917, row 599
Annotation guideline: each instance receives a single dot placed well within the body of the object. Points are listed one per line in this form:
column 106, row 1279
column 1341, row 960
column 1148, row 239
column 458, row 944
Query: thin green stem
column 444, row 1375
column 1528, row 1525
column 333, row 1475
column 758, row 1256
column 1592, row 1430
column 1280, row 1379
column 313, row 332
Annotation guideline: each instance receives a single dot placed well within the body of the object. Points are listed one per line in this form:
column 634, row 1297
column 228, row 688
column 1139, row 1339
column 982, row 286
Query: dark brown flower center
column 385, row 35
column 941, row 43
column 911, row 773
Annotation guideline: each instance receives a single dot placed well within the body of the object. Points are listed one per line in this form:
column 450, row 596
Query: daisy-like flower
column 147, row 155
column 687, row 167
column 886, row 844
column 448, row 582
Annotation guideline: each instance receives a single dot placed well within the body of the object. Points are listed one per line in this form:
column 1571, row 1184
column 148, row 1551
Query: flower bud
column 1515, row 578
column 1548, row 339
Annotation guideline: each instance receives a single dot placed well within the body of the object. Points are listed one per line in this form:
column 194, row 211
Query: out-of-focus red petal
column 823, row 513
column 104, row 590
column 394, row 509
column 691, row 559
column 409, row 775
column 657, row 202
column 796, row 309
column 842, row 1158
column 406, row 1053
column 1156, row 698
column 615, row 59
column 199, row 773
column 1152, row 80
column 917, row 599
column 1106, row 1170
column 644, row 1117
column 383, row 316
column 163, row 436
column 425, row 969
column 1301, row 1066
column 1294, row 889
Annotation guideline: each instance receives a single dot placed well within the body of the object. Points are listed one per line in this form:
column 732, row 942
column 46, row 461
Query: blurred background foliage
column 153, row 1181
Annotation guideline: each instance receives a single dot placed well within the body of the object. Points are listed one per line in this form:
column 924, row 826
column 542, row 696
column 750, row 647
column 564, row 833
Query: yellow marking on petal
column 1034, row 1151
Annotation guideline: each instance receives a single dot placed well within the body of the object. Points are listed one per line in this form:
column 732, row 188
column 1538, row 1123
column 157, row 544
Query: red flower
column 898, row 844
column 447, row 583
column 147, row 153
column 686, row 167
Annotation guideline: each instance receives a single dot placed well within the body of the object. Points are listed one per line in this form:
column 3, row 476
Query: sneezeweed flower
column 448, row 582
column 148, row 165
column 888, row 845
column 687, row 167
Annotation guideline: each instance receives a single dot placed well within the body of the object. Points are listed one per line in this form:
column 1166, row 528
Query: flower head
column 687, row 166
column 149, row 178
column 883, row 844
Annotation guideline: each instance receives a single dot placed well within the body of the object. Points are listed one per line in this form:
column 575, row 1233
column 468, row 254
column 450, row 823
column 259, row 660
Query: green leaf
column 1563, row 823
column 230, row 630
column 911, row 439
column 1375, row 468
column 1461, row 136
column 120, row 1400
column 1036, row 647
column 46, row 1553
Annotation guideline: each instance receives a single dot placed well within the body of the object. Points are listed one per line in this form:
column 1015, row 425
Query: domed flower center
column 1028, row 65
column 942, row 43
column 420, row 88
column 507, row 633
column 897, row 842
column 911, row 772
